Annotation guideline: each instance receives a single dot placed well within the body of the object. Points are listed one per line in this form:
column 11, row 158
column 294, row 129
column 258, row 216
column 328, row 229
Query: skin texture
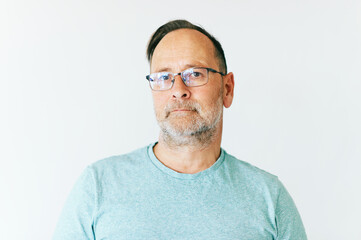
column 190, row 118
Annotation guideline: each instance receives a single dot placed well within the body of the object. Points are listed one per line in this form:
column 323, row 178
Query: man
column 185, row 186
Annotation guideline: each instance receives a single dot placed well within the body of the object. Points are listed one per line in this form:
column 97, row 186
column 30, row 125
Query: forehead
column 181, row 48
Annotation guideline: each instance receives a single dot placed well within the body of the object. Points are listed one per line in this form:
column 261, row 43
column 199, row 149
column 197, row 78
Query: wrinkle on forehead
column 180, row 66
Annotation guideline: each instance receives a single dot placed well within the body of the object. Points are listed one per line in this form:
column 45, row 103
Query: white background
column 73, row 91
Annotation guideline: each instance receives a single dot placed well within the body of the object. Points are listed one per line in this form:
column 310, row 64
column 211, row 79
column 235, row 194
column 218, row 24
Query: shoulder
column 250, row 173
column 123, row 161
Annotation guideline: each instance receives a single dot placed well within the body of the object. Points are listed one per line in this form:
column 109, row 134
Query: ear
column 228, row 86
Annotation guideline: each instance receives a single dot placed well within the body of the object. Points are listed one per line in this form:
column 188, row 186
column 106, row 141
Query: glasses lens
column 160, row 81
column 195, row 77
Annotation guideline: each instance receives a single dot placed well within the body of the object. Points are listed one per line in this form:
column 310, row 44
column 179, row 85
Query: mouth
column 182, row 110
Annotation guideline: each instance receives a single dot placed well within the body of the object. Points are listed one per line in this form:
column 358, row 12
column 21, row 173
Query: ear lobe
column 228, row 82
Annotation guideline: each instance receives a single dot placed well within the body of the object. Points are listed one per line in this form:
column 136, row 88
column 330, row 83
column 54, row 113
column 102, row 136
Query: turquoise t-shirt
column 135, row 196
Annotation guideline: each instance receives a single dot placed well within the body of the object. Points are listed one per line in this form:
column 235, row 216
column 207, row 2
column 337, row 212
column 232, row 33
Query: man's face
column 185, row 111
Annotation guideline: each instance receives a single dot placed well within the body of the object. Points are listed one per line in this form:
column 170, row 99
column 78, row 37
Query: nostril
column 180, row 95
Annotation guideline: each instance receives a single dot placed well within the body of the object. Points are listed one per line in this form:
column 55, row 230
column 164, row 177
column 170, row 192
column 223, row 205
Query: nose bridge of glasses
column 183, row 83
column 180, row 74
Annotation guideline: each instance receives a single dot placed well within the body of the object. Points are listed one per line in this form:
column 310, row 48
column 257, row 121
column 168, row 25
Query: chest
column 207, row 211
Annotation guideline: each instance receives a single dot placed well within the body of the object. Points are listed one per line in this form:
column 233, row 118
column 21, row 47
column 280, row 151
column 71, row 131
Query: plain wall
column 73, row 91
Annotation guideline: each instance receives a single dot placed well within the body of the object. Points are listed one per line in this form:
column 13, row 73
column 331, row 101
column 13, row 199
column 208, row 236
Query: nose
column 179, row 89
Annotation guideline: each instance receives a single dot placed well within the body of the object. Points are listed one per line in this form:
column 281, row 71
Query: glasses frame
column 184, row 80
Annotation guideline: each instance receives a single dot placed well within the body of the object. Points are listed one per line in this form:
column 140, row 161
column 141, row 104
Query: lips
column 181, row 107
column 182, row 110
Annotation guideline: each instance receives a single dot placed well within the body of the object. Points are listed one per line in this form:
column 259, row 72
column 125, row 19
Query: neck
column 193, row 155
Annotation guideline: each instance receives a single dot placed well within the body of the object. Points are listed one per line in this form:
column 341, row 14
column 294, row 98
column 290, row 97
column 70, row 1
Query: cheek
column 159, row 102
column 209, row 96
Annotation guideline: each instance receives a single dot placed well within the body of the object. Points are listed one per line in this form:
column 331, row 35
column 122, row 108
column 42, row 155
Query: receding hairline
column 178, row 24
column 216, row 54
column 201, row 37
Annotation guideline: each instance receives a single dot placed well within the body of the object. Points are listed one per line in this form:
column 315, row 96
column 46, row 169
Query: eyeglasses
column 192, row 77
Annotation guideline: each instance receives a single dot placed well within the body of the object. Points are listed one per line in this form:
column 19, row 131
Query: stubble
column 196, row 127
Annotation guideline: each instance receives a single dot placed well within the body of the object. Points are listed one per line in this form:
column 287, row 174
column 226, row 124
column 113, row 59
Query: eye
column 163, row 77
column 196, row 74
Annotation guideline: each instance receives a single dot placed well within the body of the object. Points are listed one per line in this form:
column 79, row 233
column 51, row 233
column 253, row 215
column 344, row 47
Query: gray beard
column 199, row 133
column 200, row 138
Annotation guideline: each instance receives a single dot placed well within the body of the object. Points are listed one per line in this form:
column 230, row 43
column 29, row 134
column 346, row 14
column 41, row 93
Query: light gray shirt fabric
column 134, row 196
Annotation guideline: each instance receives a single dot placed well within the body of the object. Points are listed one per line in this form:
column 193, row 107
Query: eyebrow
column 167, row 69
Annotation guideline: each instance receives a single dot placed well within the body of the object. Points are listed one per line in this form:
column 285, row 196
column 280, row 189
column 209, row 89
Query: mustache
column 188, row 105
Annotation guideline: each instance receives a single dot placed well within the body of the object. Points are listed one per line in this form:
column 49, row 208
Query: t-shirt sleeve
column 76, row 219
column 288, row 220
